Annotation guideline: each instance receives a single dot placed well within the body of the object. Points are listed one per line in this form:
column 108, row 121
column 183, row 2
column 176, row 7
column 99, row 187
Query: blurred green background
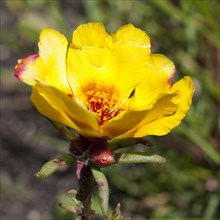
column 186, row 187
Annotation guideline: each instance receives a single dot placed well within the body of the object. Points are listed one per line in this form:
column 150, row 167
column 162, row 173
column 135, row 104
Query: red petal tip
column 22, row 63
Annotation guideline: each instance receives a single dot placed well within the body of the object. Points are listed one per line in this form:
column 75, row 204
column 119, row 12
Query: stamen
column 104, row 103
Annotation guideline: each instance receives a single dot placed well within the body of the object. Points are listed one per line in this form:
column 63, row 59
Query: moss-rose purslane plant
column 105, row 86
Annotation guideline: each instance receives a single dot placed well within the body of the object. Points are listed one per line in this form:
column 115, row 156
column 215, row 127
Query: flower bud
column 101, row 156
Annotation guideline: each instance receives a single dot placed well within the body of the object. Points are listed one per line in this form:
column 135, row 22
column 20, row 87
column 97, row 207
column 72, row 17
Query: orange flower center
column 104, row 104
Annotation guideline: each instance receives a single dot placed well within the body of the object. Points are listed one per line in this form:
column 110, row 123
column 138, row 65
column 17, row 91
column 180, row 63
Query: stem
column 86, row 184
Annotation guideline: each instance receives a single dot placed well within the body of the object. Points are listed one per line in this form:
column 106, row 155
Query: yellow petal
column 126, row 124
column 130, row 49
column 27, row 69
column 49, row 65
column 60, row 107
column 52, row 51
column 156, row 82
column 102, row 63
column 128, row 35
column 164, row 125
column 90, row 34
column 88, row 67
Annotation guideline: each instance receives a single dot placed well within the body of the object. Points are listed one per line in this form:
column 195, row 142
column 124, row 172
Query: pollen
column 105, row 104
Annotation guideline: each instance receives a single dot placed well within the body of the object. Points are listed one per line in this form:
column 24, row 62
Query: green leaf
column 51, row 166
column 138, row 157
column 103, row 190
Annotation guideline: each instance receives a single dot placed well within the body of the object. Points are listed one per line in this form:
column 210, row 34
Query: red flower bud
column 101, row 156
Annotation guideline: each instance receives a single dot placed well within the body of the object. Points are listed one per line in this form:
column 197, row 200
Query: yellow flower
column 105, row 85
